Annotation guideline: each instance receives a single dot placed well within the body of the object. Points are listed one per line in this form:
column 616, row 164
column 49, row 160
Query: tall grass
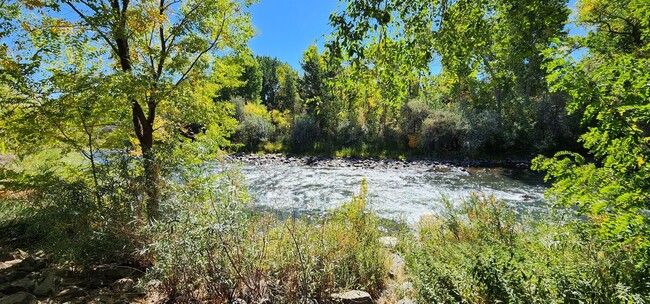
column 216, row 250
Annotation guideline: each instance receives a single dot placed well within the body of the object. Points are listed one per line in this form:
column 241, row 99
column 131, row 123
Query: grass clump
column 217, row 250
column 481, row 252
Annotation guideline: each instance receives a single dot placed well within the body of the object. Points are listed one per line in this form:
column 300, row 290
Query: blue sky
column 286, row 28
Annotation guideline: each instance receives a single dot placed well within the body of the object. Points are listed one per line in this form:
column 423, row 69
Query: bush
column 413, row 115
column 483, row 134
column 282, row 123
column 304, row 134
column 481, row 252
column 216, row 250
column 255, row 127
column 443, row 131
column 63, row 213
column 349, row 133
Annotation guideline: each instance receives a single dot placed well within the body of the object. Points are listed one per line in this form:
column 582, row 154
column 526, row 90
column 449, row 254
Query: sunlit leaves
column 610, row 89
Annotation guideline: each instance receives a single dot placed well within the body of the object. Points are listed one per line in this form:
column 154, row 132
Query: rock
column 352, row 297
column 123, row 285
column 406, row 301
column 30, row 264
column 46, row 287
column 396, row 266
column 398, row 261
column 388, row 241
column 13, row 276
column 17, row 286
column 19, row 298
column 5, row 255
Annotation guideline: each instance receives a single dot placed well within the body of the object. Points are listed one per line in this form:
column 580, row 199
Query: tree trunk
column 143, row 126
column 152, row 181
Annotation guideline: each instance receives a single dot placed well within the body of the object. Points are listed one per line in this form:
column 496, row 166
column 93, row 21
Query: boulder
column 19, row 298
column 30, row 264
column 12, row 276
column 123, row 285
column 24, row 284
column 396, row 267
column 352, row 297
column 46, row 287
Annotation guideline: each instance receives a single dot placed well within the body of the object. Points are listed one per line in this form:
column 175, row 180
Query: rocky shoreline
column 27, row 278
column 326, row 161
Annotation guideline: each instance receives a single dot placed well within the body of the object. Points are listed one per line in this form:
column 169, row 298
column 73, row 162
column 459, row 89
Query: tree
column 287, row 94
column 312, row 80
column 247, row 77
column 494, row 43
column 316, row 89
column 157, row 55
column 270, row 83
column 609, row 89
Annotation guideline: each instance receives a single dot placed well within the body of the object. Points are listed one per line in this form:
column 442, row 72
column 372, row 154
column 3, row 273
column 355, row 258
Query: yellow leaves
column 257, row 110
column 58, row 26
column 372, row 102
column 414, row 141
column 26, row 26
column 146, row 17
column 9, row 65
column 32, row 4
column 640, row 161
column 587, row 6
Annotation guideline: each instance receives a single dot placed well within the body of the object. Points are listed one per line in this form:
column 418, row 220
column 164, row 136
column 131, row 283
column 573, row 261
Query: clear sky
column 286, row 28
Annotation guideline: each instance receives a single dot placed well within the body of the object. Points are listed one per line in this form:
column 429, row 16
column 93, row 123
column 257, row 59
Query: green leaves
column 610, row 89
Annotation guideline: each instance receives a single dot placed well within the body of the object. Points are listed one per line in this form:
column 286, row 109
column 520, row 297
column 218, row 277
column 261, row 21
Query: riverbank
column 375, row 162
column 475, row 253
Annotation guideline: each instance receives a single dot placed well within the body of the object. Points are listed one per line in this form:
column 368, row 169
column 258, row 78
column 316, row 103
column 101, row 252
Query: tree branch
column 198, row 57
column 89, row 22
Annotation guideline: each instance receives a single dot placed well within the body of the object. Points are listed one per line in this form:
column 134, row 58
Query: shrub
column 443, row 131
column 483, row 134
column 481, row 252
column 414, row 113
column 304, row 134
column 216, row 250
column 349, row 133
column 255, row 127
column 63, row 213
column 282, row 123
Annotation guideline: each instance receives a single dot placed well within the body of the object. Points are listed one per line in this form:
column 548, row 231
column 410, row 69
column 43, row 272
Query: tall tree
column 269, row 67
column 496, row 41
column 287, row 94
column 158, row 55
column 609, row 89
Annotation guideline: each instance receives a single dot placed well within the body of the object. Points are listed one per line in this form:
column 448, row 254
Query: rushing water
column 396, row 190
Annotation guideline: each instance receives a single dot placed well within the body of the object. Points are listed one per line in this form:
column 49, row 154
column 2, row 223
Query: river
column 396, row 189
